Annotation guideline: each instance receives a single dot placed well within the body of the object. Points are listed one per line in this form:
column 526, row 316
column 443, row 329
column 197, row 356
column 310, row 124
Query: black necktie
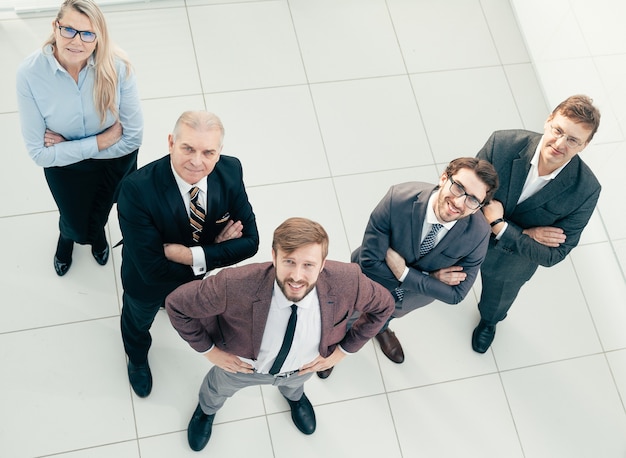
column 196, row 214
column 287, row 341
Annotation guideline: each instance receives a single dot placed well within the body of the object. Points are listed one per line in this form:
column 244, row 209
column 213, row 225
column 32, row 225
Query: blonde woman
column 82, row 122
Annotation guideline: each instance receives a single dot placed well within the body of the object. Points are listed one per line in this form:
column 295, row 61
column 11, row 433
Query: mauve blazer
column 230, row 309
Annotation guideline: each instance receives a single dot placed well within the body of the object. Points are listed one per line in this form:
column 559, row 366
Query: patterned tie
column 287, row 341
column 425, row 247
column 196, row 214
column 398, row 294
column 429, row 240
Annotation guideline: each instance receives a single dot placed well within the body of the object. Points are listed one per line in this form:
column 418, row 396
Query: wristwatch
column 496, row 221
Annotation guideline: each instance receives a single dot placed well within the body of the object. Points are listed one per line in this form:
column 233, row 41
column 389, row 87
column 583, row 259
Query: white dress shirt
column 534, row 183
column 48, row 97
column 306, row 340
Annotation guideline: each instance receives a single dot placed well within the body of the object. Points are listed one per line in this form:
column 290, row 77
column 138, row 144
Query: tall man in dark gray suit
column 181, row 216
column 425, row 242
column 276, row 323
column 546, row 197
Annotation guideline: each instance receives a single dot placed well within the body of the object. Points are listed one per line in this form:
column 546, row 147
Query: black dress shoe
column 199, row 429
column 101, row 257
column 61, row 268
column 140, row 378
column 326, row 373
column 483, row 336
column 303, row 415
column 390, row 346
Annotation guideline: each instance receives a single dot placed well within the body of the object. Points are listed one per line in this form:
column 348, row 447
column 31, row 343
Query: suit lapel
column 172, row 198
column 418, row 214
column 328, row 303
column 519, row 172
column 261, row 308
column 214, row 197
column 560, row 184
column 457, row 230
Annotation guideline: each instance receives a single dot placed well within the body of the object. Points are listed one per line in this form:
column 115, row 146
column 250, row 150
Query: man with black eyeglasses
column 545, row 200
column 426, row 242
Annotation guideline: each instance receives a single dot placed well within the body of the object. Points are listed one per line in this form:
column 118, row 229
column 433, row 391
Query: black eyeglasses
column 85, row 35
column 472, row 202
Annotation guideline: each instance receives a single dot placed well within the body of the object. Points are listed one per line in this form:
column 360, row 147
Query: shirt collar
column 282, row 302
column 48, row 51
column 431, row 218
column 534, row 164
column 185, row 187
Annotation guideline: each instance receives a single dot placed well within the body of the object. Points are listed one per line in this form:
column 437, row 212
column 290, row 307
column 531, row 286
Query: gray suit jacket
column 567, row 202
column 397, row 222
column 230, row 309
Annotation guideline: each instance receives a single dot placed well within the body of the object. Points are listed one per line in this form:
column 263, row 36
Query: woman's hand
column 51, row 138
column 110, row 136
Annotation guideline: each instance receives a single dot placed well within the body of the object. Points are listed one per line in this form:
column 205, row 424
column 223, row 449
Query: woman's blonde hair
column 105, row 85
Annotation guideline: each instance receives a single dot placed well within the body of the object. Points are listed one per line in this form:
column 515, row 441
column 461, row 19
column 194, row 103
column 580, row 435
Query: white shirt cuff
column 199, row 261
column 344, row 351
column 502, row 230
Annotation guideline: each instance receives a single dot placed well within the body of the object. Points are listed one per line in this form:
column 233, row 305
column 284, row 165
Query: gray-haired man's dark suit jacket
column 567, row 202
column 396, row 223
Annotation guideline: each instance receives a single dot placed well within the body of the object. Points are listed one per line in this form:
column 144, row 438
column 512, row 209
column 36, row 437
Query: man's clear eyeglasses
column 470, row 201
column 571, row 142
column 85, row 35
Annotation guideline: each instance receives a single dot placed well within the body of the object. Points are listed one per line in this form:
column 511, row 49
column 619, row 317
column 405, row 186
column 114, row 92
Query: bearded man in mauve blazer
column 162, row 249
column 547, row 195
column 276, row 323
column 394, row 252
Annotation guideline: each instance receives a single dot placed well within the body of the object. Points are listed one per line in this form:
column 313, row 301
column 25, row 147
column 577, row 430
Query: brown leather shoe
column 390, row 345
column 326, row 373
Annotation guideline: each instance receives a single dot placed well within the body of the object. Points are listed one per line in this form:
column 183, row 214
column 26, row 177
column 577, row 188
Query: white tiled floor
column 328, row 103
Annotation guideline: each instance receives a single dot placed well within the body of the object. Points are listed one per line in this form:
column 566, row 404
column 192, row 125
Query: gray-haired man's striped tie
column 196, row 214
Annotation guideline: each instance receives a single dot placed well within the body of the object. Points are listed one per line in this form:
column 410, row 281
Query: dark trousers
column 496, row 298
column 137, row 318
column 85, row 193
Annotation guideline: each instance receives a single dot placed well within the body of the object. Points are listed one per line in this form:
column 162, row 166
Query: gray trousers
column 219, row 385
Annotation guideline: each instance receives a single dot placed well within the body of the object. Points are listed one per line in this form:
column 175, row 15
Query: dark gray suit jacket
column 397, row 222
column 230, row 309
column 567, row 202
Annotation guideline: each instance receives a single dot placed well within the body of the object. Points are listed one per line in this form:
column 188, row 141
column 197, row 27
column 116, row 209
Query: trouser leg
column 111, row 173
column 496, row 298
column 219, row 385
column 292, row 387
column 137, row 318
column 72, row 189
